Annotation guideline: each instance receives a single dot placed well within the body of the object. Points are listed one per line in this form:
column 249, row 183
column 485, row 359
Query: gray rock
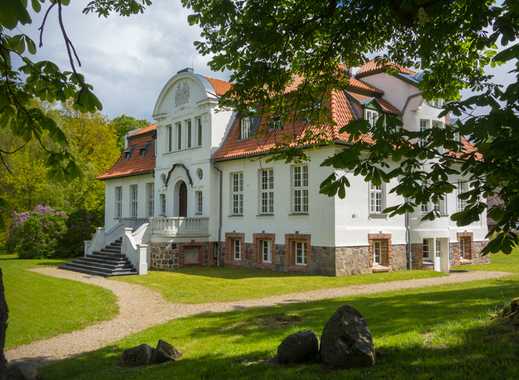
column 346, row 341
column 165, row 352
column 298, row 348
column 137, row 356
column 21, row 371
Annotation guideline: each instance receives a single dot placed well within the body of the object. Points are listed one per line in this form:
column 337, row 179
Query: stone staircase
column 107, row 262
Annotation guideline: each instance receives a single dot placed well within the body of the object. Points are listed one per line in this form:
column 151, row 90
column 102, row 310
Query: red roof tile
column 220, row 86
column 292, row 134
column 374, row 67
column 137, row 163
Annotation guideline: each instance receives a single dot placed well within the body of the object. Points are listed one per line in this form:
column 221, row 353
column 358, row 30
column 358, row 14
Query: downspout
column 407, row 218
column 219, row 244
column 408, row 242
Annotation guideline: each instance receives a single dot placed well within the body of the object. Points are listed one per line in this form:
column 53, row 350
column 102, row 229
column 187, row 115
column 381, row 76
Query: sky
column 128, row 60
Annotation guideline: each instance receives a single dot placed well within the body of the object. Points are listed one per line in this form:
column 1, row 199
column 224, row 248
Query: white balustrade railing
column 180, row 226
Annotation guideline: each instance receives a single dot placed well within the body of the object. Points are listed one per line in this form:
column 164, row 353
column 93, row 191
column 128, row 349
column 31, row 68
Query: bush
column 37, row 234
column 81, row 225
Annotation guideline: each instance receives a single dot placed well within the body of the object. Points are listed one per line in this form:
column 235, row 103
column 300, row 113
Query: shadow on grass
column 439, row 334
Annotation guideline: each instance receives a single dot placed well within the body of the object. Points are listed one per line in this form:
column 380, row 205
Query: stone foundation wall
column 455, row 259
column 170, row 256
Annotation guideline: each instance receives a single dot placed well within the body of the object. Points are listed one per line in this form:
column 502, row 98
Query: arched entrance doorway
column 182, row 199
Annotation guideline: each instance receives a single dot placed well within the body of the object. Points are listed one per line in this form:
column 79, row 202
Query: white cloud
column 127, row 59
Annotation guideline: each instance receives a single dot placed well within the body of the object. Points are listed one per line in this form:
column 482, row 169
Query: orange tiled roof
column 294, row 134
column 137, row 163
column 220, row 86
column 374, row 67
column 383, row 104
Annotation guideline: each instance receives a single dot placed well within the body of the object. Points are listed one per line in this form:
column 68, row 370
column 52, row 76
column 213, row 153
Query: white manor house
column 196, row 188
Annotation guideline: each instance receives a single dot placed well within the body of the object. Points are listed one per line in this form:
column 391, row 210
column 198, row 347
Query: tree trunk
column 3, row 327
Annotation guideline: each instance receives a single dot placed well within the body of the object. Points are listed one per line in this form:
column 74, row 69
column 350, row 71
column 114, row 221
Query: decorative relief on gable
column 182, row 94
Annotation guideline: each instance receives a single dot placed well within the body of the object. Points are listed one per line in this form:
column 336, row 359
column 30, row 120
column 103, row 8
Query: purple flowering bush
column 37, row 233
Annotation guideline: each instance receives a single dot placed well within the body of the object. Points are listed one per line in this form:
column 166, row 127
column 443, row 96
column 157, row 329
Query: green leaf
column 36, row 5
column 14, row 12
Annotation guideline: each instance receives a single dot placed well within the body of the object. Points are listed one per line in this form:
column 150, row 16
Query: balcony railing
column 180, row 226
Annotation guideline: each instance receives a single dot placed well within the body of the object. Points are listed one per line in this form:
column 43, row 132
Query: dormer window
column 127, row 154
column 275, row 123
column 436, row 103
column 245, row 128
column 142, row 152
column 371, row 116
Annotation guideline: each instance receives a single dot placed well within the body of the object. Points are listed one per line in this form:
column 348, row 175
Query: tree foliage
column 265, row 44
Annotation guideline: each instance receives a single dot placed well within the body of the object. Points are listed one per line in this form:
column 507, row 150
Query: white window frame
column 427, row 247
column 300, row 180
column 236, row 193
column 134, row 201
column 199, row 135
column 118, row 202
column 266, row 251
column 178, row 135
column 199, row 202
column 275, row 123
column 425, row 124
column 236, row 249
column 300, row 256
column 377, row 199
column 245, row 128
column 266, row 191
column 150, row 198
column 189, row 130
column 463, row 187
column 162, row 198
column 170, row 137
column 371, row 116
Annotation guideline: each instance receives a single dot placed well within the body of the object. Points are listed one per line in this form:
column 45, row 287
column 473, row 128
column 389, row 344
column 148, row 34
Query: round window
column 199, row 173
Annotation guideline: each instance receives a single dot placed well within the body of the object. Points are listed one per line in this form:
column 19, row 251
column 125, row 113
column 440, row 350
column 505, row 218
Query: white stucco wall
column 125, row 183
column 319, row 222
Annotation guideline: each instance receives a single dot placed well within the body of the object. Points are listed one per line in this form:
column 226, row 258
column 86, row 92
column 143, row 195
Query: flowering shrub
column 37, row 233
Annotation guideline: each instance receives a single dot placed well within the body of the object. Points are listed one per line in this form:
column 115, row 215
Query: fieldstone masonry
column 168, row 256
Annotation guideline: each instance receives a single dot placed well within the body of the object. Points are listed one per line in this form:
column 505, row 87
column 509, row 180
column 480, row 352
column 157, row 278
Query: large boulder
column 137, row 356
column 346, row 341
column 22, row 371
column 298, row 348
column 165, row 352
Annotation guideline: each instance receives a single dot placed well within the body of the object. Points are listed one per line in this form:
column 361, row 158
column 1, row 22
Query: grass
column 498, row 262
column 41, row 307
column 209, row 284
column 439, row 332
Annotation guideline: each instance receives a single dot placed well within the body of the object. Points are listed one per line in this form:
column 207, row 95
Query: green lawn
column 210, row 284
column 42, row 306
column 440, row 332
column 498, row 262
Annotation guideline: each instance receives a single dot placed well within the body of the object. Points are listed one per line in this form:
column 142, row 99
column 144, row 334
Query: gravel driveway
column 141, row 308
